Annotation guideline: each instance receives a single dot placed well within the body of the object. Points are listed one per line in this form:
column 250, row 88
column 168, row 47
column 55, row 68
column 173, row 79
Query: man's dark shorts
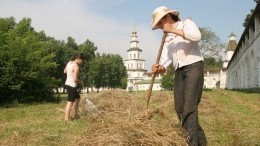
column 73, row 93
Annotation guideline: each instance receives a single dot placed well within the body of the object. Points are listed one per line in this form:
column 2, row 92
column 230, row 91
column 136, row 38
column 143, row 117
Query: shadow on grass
column 16, row 104
column 208, row 90
column 248, row 91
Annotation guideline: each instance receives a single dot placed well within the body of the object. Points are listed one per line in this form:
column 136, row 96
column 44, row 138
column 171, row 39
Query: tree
column 26, row 64
column 210, row 44
column 88, row 48
column 71, row 44
column 6, row 25
column 108, row 71
column 97, row 72
column 211, row 64
column 248, row 16
column 167, row 79
column 61, row 58
column 32, row 64
column 117, row 75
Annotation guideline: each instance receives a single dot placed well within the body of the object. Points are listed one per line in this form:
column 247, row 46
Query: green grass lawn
column 228, row 118
column 231, row 117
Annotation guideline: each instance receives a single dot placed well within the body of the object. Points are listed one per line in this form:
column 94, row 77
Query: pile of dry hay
column 123, row 120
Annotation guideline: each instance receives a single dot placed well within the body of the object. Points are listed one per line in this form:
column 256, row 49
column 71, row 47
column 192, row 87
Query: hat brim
column 157, row 19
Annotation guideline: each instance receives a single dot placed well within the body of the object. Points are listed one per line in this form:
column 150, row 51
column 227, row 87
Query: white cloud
column 63, row 18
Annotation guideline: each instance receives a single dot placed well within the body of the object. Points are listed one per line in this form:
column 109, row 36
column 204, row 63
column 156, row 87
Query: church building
column 137, row 77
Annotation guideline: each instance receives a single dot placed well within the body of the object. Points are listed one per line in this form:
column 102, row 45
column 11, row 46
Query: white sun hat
column 159, row 12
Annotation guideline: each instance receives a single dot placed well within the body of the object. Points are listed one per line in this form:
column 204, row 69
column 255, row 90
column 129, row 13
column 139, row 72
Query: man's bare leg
column 67, row 110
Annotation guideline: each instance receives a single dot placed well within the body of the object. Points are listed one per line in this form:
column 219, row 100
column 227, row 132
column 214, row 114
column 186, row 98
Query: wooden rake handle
column 154, row 75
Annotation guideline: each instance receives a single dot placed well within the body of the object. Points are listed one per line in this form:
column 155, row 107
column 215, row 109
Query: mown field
column 229, row 118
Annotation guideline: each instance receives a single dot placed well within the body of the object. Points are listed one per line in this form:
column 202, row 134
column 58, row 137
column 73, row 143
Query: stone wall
column 243, row 70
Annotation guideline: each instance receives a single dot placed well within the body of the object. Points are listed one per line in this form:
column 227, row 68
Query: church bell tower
column 134, row 63
column 230, row 50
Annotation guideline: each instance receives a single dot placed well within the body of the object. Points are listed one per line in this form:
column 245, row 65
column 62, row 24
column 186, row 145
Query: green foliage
column 71, row 44
column 167, row 80
column 108, row 71
column 32, row 64
column 248, row 16
column 211, row 64
column 88, row 48
column 26, row 63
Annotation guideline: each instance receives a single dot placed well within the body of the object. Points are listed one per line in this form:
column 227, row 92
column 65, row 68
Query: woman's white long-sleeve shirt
column 182, row 51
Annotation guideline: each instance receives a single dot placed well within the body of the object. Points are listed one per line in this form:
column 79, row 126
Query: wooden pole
column 154, row 75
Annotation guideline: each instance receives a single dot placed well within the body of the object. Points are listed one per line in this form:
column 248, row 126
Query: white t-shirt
column 182, row 51
column 70, row 75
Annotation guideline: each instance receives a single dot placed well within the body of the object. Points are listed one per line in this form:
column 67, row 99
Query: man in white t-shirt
column 72, row 83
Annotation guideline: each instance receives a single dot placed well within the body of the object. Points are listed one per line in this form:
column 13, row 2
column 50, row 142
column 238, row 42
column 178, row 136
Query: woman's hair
column 174, row 17
column 78, row 56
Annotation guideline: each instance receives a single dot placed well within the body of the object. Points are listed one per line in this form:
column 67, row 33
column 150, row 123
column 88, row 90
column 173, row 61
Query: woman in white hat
column 181, row 48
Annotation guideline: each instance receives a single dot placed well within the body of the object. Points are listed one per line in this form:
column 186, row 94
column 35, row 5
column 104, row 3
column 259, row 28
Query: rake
column 154, row 75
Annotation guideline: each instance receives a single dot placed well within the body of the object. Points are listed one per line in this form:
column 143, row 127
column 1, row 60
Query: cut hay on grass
column 123, row 120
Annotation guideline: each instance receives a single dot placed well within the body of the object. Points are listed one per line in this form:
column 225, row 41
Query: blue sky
column 108, row 23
